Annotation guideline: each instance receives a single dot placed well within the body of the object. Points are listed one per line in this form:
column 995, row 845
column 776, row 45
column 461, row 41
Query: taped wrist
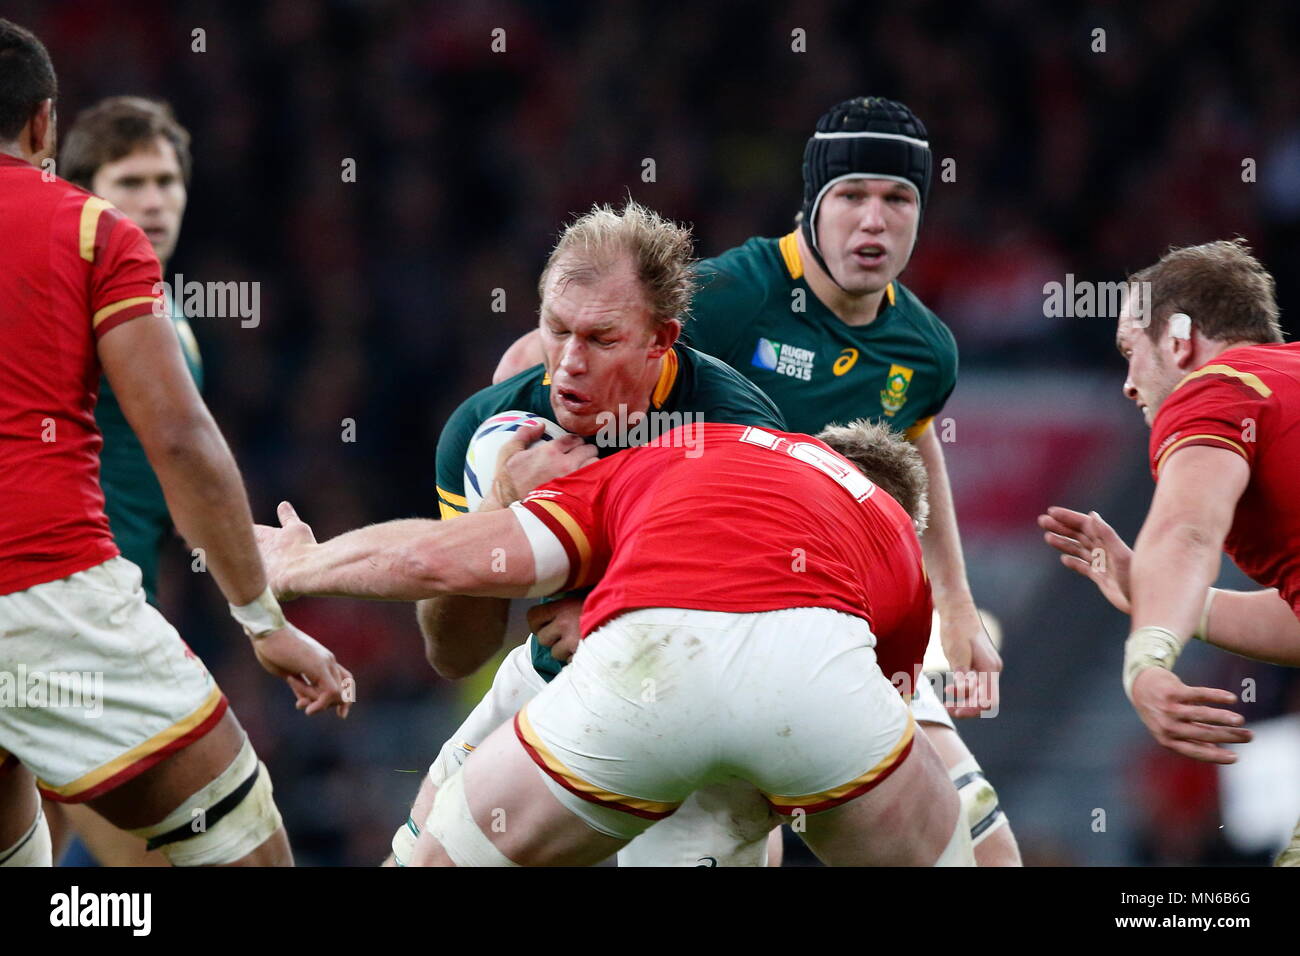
column 1149, row 646
column 260, row 616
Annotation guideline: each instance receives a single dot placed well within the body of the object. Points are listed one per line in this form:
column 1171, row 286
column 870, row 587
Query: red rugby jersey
column 758, row 521
column 72, row 267
column 1247, row 400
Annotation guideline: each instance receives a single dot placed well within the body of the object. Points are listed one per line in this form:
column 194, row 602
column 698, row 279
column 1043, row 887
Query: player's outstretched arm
column 205, row 495
column 525, row 353
column 966, row 644
column 1255, row 624
column 483, row 554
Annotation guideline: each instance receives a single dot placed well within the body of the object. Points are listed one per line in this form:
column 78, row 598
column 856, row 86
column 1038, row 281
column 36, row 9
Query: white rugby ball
column 485, row 447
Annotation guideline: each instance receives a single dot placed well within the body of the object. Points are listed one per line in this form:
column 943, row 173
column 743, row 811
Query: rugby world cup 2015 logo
column 894, row 395
column 784, row 359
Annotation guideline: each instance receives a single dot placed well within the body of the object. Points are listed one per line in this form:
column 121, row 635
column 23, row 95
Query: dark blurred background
column 376, row 307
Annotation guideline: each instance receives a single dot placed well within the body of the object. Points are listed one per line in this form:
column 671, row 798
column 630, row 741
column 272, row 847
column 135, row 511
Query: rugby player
column 77, row 296
column 612, row 295
column 1209, row 371
column 819, row 321
column 706, row 657
column 131, row 152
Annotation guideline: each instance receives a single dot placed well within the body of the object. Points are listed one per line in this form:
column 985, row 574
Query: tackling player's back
column 72, row 268
column 758, row 520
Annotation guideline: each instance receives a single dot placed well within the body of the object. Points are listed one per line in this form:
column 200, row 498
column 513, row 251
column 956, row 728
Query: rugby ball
column 485, row 447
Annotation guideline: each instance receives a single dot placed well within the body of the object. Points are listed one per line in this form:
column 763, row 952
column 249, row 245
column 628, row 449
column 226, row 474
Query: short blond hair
column 889, row 460
column 658, row 249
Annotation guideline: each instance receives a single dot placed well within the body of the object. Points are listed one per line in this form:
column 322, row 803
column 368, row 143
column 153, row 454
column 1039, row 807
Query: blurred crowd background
column 376, row 307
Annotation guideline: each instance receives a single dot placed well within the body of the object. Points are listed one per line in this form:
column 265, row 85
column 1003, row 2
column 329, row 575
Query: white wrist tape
column 1149, row 646
column 1203, row 628
column 260, row 616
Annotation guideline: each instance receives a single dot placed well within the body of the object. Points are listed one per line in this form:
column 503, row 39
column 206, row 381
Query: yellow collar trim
column 667, row 378
column 1246, row 378
column 789, row 246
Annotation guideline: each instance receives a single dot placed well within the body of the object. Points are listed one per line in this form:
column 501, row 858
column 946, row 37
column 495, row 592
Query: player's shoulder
column 755, row 258
column 521, row 391
column 89, row 223
column 1251, row 372
column 750, row 271
column 719, row 392
column 923, row 319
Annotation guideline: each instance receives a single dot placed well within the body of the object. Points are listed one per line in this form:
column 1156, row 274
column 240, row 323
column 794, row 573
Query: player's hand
column 976, row 664
column 1182, row 720
column 556, row 626
column 1091, row 547
column 318, row 681
column 524, row 462
column 280, row 546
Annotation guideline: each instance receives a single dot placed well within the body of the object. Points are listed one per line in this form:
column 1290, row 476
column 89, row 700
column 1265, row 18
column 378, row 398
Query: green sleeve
column 449, row 469
column 948, row 373
column 722, row 307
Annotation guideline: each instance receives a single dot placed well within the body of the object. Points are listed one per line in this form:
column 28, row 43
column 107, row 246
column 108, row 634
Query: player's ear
column 666, row 334
column 40, row 130
column 1186, row 349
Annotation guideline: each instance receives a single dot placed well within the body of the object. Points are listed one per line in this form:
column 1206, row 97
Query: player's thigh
column 150, row 796
column 19, row 800
column 907, row 820
column 995, row 843
column 106, row 843
column 166, row 788
column 512, row 807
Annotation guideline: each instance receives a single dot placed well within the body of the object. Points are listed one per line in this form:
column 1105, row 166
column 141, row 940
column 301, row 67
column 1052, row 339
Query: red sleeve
column 1219, row 406
column 125, row 279
column 573, row 509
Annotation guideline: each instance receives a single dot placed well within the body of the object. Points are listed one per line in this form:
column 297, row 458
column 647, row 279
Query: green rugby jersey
column 133, row 499
column 898, row 370
column 689, row 383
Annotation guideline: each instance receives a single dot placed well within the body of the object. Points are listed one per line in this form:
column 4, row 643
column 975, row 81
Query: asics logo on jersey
column 784, row 359
column 708, row 861
column 848, row 358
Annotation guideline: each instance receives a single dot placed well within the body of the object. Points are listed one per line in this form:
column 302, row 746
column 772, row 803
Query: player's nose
column 1130, row 390
column 873, row 215
column 573, row 359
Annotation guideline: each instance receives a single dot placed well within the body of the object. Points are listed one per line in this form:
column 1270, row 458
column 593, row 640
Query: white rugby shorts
column 95, row 685
column 659, row 702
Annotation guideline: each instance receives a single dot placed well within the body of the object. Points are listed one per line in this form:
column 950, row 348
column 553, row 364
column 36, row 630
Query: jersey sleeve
column 572, row 508
column 125, row 278
column 946, row 350
column 1218, row 406
column 449, row 468
column 720, row 310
